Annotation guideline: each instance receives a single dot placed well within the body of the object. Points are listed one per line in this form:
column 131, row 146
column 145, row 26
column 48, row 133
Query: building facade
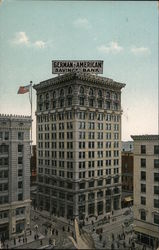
column 146, row 189
column 33, row 168
column 14, row 175
column 78, row 145
column 127, row 177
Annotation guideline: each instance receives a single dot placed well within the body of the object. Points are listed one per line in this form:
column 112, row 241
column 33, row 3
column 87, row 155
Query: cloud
column 21, row 38
column 113, row 47
column 82, row 23
column 140, row 50
column 40, row 44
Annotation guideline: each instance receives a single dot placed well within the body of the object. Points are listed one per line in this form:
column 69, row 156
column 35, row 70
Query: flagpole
column 31, row 114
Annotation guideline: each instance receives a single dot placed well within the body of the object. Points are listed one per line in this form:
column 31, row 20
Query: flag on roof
column 24, row 89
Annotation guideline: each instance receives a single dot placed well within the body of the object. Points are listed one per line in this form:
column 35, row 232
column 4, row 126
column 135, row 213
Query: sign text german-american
column 91, row 66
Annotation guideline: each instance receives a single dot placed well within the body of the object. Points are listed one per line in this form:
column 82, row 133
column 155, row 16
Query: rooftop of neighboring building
column 145, row 137
column 127, row 146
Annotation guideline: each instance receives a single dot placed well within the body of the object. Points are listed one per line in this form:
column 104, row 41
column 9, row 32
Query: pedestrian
column 53, row 230
column 112, row 236
column 104, row 243
column 63, row 228
column 68, row 229
column 14, row 241
column 124, row 245
column 112, row 246
column 19, row 240
column 41, row 242
column 56, row 232
column 72, row 234
column 26, row 239
column 7, row 246
column 30, row 232
column 100, row 237
column 34, row 237
column 23, row 240
column 49, row 241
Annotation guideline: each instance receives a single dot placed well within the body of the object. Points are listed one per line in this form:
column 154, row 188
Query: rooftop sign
column 91, row 66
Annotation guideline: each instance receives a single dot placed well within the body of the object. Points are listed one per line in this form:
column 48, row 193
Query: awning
column 129, row 198
column 147, row 231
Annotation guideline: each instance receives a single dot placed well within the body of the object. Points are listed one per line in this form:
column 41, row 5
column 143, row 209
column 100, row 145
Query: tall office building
column 146, row 188
column 14, row 175
column 78, row 145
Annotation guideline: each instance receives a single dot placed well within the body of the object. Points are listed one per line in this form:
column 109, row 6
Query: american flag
column 24, row 89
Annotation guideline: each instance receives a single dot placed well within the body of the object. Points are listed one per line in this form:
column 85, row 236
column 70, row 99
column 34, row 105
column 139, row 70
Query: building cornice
column 79, row 76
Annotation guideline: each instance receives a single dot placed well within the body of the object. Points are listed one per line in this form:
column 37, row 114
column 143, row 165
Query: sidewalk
column 22, row 241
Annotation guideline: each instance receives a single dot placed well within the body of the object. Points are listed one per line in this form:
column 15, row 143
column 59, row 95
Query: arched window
column 61, row 92
column 69, row 90
column 108, row 95
column 115, row 96
column 54, row 94
column 100, row 93
column 81, row 90
column 91, row 92
column 47, row 96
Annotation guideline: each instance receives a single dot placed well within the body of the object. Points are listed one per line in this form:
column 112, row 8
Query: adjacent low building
column 14, row 175
column 146, row 189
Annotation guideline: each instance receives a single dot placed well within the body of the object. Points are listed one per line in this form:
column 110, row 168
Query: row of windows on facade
column 82, row 135
column 81, row 164
column 155, row 202
column 82, row 102
column 5, row 198
column 69, row 115
column 143, row 176
column 52, row 182
column 81, row 125
column 143, row 149
column 48, row 171
column 81, row 198
column 155, row 217
column 82, row 91
column 60, row 210
column 81, row 145
column 143, row 189
column 143, row 163
column 5, row 135
column 81, row 155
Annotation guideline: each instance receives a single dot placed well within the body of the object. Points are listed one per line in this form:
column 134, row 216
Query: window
column 156, row 219
column 156, row 189
column 143, row 162
column 143, row 176
column 143, row 200
column 20, row 148
column 61, row 92
column 6, row 136
column 156, row 177
column 91, row 102
column 156, row 163
column 82, row 185
column 20, row 135
column 91, row 92
column 20, row 197
column 20, row 172
column 81, row 101
column 20, row 184
column 156, row 203
column 143, row 149
column 81, row 90
column 91, row 184
column 156, row 149
column 20, row 160
column 70, row 90
column 100, row 103
column 143, row 188
column 143, row 215
column 100, row 93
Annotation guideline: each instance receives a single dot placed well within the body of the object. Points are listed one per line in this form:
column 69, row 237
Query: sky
column 124, row 34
